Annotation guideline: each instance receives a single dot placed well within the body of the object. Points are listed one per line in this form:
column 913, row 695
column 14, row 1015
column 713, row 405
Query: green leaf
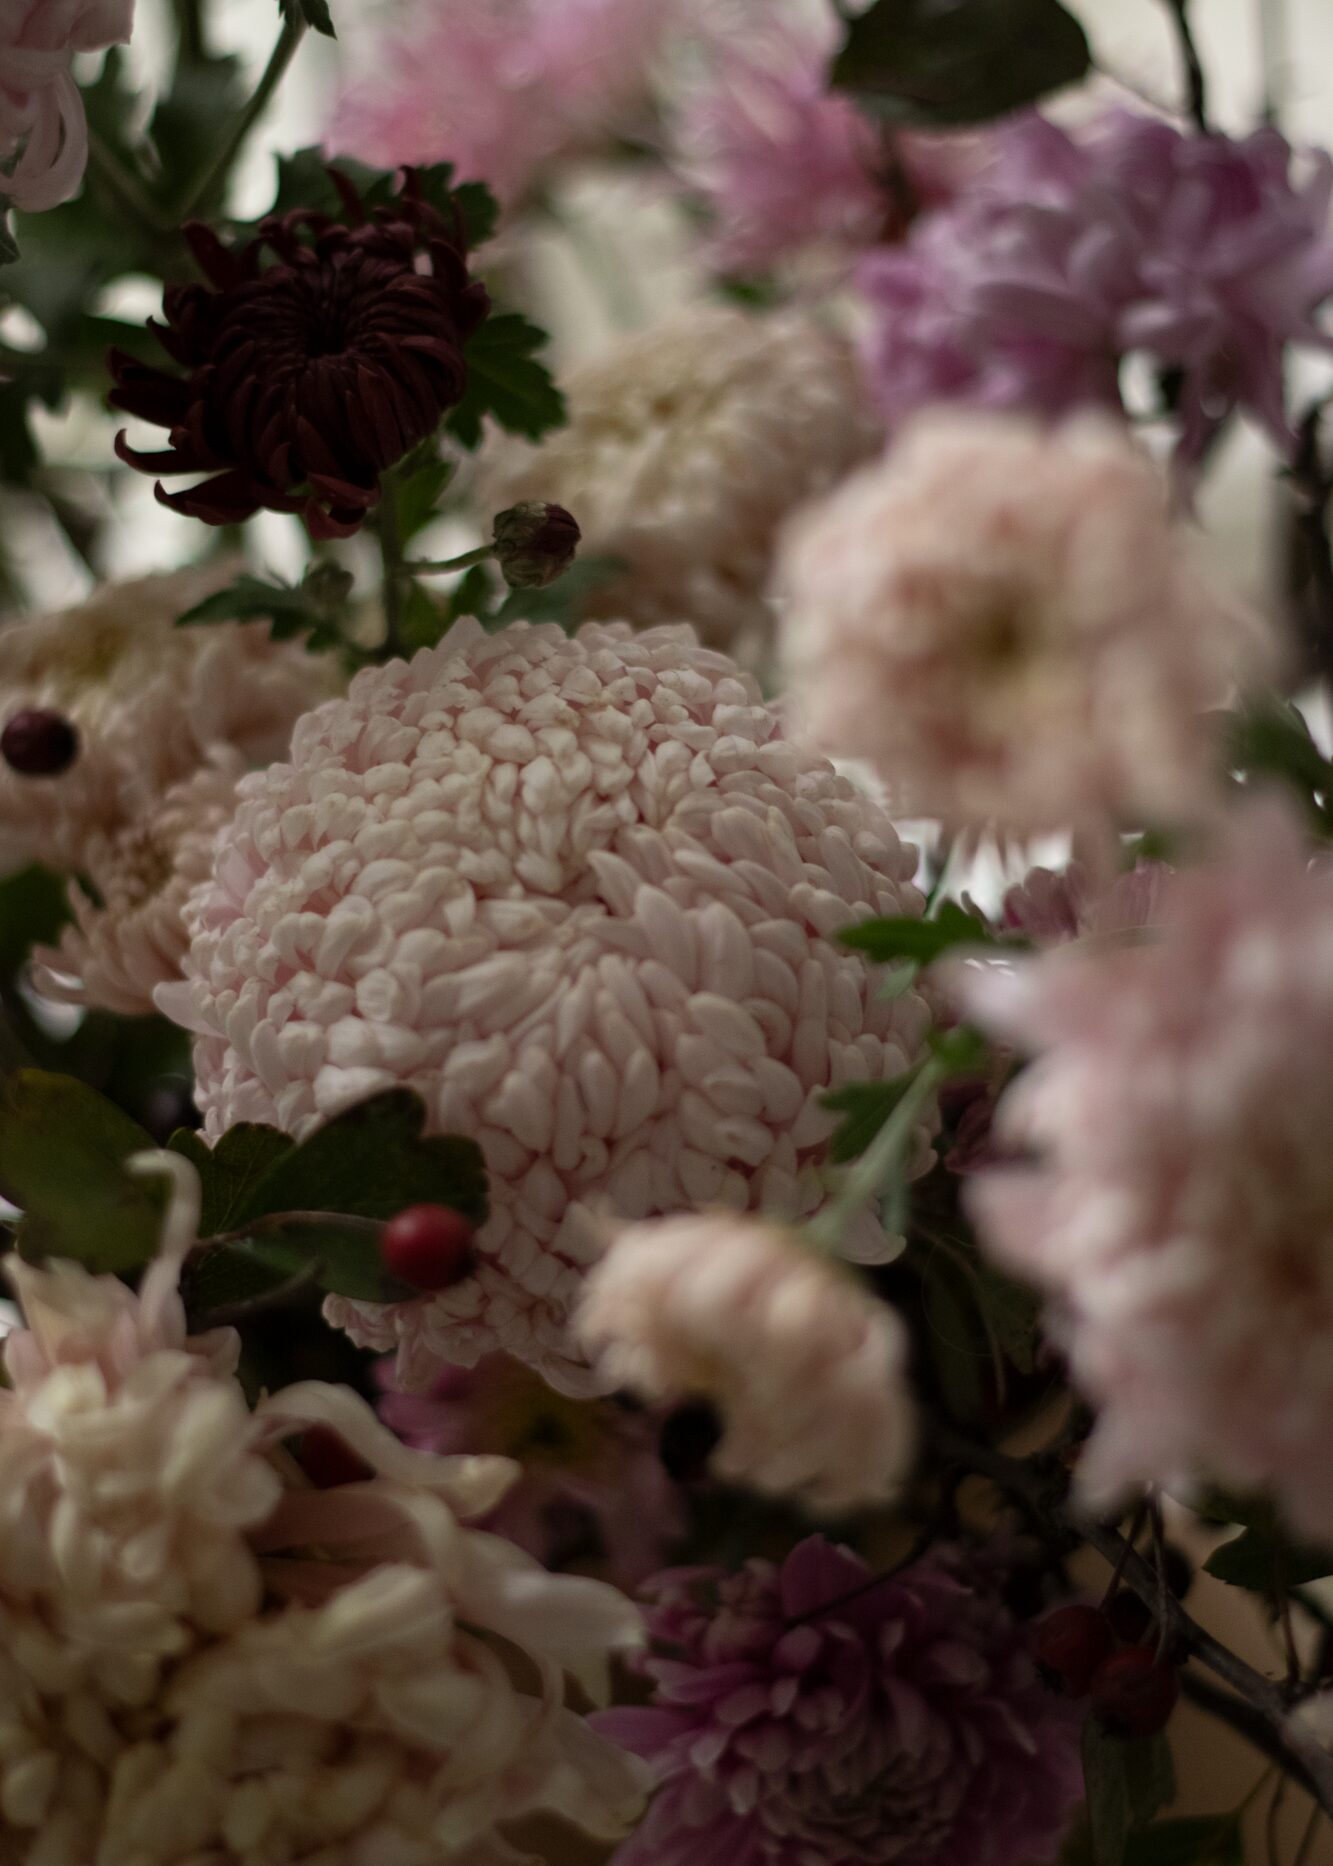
column 418, row 491
column 506, row 382
column 1013, row 1313
column 938, row 64
column 565, row 600
column 962, row 1050
column 184, row 126
column 1269, row 738
column 1150, row 1776
column 33, row 909
column 9, row 246
column 1261, row 1556
column 310, row 609
column 63, row 1149
column 245, row 600
column 337, row 1260
column 472, row 595
column 957, row 1349
column 866, row 1106
column 921, row 941
column 230, row 1171
column 1206, row 1840
column 315, row 13
column 422, row 621
column 371, row 1161
column 1107, row 1791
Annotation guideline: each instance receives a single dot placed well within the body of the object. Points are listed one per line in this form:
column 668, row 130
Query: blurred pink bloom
column 807, row 1368
column 41, row 112
column 1179, row 1206
column 1002, row 620
column 803, row 1714
column 502, row 87
column 591, row 1488
column 786, row 164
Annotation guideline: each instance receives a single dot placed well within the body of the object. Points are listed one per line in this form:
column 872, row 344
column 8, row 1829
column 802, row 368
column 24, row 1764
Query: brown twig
column 1196, row 83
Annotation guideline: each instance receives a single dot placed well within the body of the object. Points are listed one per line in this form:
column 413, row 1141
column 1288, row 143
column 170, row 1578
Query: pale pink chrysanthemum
column 129, row 936
column 581, row 894
column 204, row 1658
column 807, row 1369
column 591, row 1489
column 687, row 446
column 503, row 88
column 43, row 129
column 1180, row 1203
column 150, row 703
column 1003, row 621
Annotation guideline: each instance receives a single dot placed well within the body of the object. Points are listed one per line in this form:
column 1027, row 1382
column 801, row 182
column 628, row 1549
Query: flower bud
column 534, row 543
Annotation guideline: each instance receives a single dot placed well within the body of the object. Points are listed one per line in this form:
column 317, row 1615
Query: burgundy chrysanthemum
column 316, row 355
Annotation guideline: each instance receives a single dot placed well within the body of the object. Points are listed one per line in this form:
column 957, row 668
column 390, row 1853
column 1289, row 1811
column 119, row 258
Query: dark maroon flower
column 316, row 355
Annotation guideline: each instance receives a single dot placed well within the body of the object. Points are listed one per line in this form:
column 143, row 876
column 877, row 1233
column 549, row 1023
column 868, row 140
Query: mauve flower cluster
column 502, row 88
column 1001, row 619
column 1075, row 249
column 583, row 895
column 43, row 129
column 315, row 356
column 591, row 1487
column 687, row 446
column 808, row 1370
column 152, row 705
column 1179, row 1201
column 204, row 1658
column 803, row 1713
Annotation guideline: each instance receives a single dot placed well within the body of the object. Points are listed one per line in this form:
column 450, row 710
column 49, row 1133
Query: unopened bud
column 534, row 543
column 326, row 588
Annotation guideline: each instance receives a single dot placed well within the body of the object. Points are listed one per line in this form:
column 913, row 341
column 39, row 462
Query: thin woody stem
column 1194, row 75
column 283, row 52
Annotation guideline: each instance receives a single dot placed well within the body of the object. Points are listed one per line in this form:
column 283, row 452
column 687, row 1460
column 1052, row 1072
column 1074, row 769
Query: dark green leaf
column 422, row 620
column 183, row 129
column 563, row 601
column 9, row 246
column 1150, row 1776
column 62, row 1153
column 1013, row 1312
column 506, row 382
column 918, row 940
column 1107, row 1794
column 473, row 594
column 419, row 493
column 1261, row 1557
column 310, row 609
column 371, row 1161
column 1207, row 1840
column 937, row 64
column 962, row 1049
column 954, row 1341
column 1270, row 739
column 338, row 1260
column 33, row 908
column 866, row 1106
column 230, row 1171
column 245, row 600
column 314, row 12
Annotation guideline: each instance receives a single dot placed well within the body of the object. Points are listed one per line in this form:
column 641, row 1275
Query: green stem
column 391, row 556
column 219, row 168
column 1194, row 76
column 433, row 565
column 866, row 1176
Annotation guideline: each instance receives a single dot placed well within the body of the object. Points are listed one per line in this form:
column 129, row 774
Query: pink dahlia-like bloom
column 581, row 894
column 802, row 1713
column 204, row 1658
column 43, row 130
column 501, row 88
column 808, row 1370
column 1179, row 1203
column 1002, row 620
column 591, row 1488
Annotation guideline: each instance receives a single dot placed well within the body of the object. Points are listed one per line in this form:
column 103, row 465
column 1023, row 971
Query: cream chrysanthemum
column 687, row 446
column 149, row 702
column 809, row 1371
column 129, row 936
column 204, row 1659
column 583, row 896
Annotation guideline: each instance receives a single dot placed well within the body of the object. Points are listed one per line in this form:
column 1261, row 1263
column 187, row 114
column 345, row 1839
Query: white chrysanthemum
column 129, row 937
column 149, row 702
column 687, row 446
column 809, row 1371
column 203, row 1659
column 583, row 896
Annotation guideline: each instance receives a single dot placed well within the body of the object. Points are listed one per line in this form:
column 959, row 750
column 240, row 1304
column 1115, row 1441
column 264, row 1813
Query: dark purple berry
column 39, row 743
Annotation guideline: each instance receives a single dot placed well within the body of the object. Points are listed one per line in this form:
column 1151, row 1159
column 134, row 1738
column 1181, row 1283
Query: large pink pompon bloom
column 502, row 88
column 804, row 1714
column 808, row 1370
column 43, row 130
column 1179, row 1208
column 204, row 1658
column 581, row 894
column 1004, row 622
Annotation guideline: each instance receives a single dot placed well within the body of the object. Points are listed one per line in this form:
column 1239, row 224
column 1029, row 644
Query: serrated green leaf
column 422, row 621
column 921, row 941
column 473, row 594
column 953, row 1341
column 246, row 600
column 63, row 1149
column 940, row 64
column 230, row 1170
column 1261, row 1556
column 418, row 493
column 506, row 382
column 866, row 1106
column 1205, row 1840
column 1107, row 1794
column 34, row 907
column 338, row 1261
column 372, row 1161
column 183, row 127
column 565, row 600
column 1013, row 1312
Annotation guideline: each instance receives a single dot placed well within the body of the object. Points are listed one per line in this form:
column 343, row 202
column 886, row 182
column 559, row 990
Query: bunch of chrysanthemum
column 205, row 1657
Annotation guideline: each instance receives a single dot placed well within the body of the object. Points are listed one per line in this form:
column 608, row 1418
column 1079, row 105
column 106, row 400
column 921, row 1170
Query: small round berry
column 39, row 743
column 1070, row 1644
column 1130, row 1619
column 428, row 1247
column 328, row 1461
column 688, row 1438
column 1134, row 1692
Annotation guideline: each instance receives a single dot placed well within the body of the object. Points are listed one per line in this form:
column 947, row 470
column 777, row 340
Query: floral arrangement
column 579, row 1265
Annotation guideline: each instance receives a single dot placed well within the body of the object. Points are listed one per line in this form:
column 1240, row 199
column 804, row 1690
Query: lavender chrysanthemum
column 802, row 1715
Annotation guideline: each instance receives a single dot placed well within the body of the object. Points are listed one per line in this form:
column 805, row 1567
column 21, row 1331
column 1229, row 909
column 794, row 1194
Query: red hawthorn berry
column 1134, row 1692
column 428, row 1247
column 1070, row 1644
